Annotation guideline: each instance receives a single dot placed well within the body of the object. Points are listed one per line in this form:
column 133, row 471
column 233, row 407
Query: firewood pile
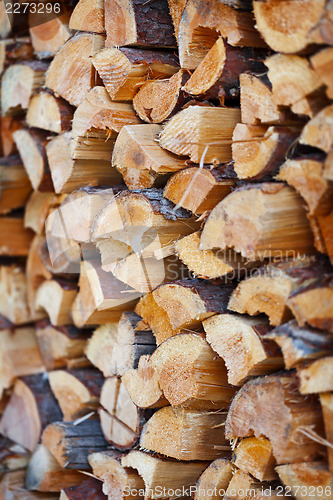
column 166, row 243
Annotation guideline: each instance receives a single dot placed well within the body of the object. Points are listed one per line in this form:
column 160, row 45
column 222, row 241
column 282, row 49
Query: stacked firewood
column 166, row 243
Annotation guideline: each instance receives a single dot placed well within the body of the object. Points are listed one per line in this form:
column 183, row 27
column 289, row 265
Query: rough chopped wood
column 88, row 15
column 139, row 158
column 190, row 374
column 47, row 38
column 59, row 345
column 71, row 443
column 68, row 174
column 47, row 112
column 306, row 476
column 242, row 344
column 185, row 434
column 31, row 408
column 74, row 79
column 318, row 131
column 272, row 407
column 203, row 22
column 77, row 391
column 134, row 22
column 254, row 456
column 278, row 226
column 45, row 474
column 300, row 343
column 259, row 150
column 203, row 133
column 124, row 70
column 15, row 186
column 182, row 305
column 198, row 189
column 291, row 26
column 56, row 297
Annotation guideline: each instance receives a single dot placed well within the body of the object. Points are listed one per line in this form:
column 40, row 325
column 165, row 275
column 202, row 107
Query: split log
column 215, row 478
column 239, row 486
column 277, row 228
column 14, row 50
column 13, row 295
column 291, row 27
column 133, row 252
column 36, row 274
column 47, row 112
column 118, row 481
column 198, row 189
column 121, row 419
column 124, row 70
column 68, row 174
column 259, row 150
column 102, row 298
column 176, row 8
column 47, row 38
column 73, row 81
column 14, row 184
column 243, row 345
column 56, row 298
column 306, row 176
column 31, row 408
column 316, row 376
column 31, row 146
column 312, row 304
column 38, row 208
column 301, row 344
column 18, row 84
column 322, row 64
column 134, row 339
column 318, row 131
column 182, row 305
column 12, row 456
column 134, row 22
column 210, row 264
column 71, row 443
column 15, row 239
column 201, row 25
column 61, row 255
column 45, row 474
column 91, row 489
column 80, row 208
column 77, row 391
column 160, row 475
column 272, row 407
column 203, row 133
column 258, row 104
column 88, row 15
column 100, row 347
column 187, row 434
column 294, row 82
column 9, row 125
column 190, row 374
column 325, row 228
column 13, row 483
column 254, row 456
column 19, row 355
column 269, row 288
column 60, row 345
column 217, row 75
column 142, row 385
column 139, row 158
column 326, row 402
column 301, row 479
column 96, row 122
column 157, row 100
